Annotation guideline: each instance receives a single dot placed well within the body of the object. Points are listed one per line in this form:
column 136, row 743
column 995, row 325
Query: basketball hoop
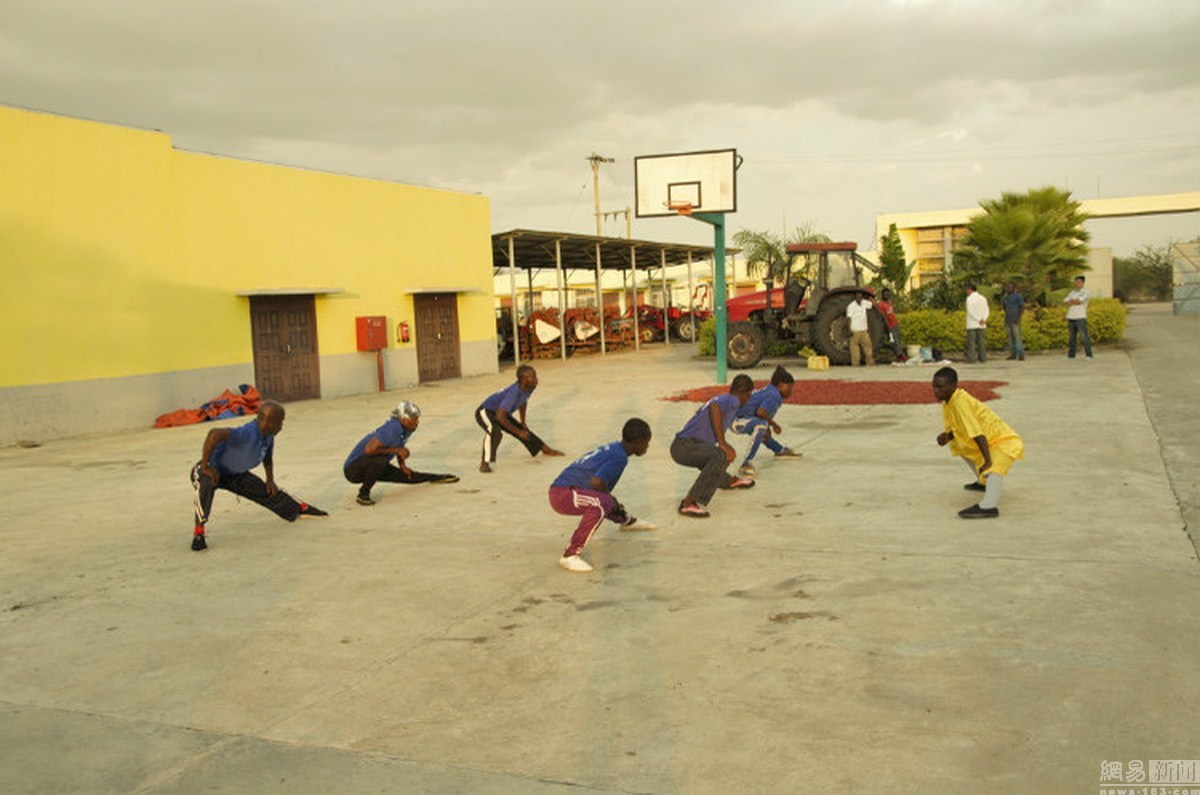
column 681, row 207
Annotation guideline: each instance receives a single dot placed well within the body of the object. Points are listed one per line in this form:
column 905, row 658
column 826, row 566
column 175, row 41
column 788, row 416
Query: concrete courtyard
column 835, row 629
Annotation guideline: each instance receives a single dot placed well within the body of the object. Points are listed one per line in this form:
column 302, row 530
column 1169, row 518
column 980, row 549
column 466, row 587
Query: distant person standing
column 977, row 316
column 860, row 336
column 891, row 322
column 496, row 416
column 1014, row 309
column 1077, row 301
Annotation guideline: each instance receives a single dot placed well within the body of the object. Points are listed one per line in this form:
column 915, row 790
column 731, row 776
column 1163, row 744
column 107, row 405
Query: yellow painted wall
column 120, row 255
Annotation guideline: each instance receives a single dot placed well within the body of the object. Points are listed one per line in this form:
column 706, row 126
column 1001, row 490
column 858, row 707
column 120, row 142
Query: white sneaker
column 748, row 471
column 574, row 563
column 639, row 524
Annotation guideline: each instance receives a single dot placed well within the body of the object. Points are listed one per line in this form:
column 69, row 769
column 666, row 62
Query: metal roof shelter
column 530, row 250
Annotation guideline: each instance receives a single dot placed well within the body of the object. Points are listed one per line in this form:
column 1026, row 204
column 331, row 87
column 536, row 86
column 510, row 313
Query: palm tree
column 1035, row 239
column 766, row 252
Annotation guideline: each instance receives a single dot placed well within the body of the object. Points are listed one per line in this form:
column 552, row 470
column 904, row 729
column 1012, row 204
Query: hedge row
column 1042, row 328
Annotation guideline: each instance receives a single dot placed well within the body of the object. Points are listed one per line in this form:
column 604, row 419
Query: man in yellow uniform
column 980, row 438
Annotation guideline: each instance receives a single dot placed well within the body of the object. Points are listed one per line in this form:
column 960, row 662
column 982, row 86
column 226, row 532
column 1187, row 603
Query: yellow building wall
column 122, row 256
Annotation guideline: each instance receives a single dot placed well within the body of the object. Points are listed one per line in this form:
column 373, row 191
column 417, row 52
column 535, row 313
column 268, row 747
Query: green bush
column 1042, row 328
column 707, row 341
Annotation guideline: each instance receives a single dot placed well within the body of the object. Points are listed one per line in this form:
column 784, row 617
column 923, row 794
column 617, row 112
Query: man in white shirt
column 1077, row 301
column 977, row 315
column 860, row 337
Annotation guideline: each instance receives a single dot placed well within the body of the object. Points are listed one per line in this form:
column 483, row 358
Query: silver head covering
column 406, row 410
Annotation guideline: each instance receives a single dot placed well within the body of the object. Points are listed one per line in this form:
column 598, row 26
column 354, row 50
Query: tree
column 893, row 270
column 766, row 252
column 1146, row 276
column 1033, row 239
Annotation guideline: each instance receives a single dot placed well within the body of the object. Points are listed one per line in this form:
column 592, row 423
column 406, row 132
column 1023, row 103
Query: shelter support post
column 717, row 220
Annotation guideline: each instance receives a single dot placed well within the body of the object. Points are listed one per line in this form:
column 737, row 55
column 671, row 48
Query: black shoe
column 975, row 486
column 1010, row 358
column 365, row 499
column 198, row 543
column 975, row 512
column 312, row 510
column 1020, row 358
column 445, row 479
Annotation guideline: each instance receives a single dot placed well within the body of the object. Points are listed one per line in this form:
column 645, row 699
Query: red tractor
column 810, row 310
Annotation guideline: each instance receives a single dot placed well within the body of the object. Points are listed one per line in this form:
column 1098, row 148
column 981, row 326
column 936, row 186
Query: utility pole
column 596, row 160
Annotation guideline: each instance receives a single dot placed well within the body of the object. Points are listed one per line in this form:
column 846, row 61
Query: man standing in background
column 977, row 315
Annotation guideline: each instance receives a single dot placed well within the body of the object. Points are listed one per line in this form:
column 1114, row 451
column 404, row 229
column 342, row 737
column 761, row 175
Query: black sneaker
column 198, row 543
column 974, row 486
column 365, row 500
column 975, row 512
column 445, row 479
column 312, row 510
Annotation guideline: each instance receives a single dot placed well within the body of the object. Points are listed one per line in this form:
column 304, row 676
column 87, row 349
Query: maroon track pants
column 592, row 507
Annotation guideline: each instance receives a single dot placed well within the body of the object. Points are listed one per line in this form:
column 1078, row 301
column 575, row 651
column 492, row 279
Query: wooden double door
column 438, row 352
column 284, row 330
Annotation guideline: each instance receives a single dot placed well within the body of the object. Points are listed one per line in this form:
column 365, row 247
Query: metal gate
column 1186, row 259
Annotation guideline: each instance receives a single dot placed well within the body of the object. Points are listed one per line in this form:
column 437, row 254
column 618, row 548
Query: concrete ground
column 836, row 629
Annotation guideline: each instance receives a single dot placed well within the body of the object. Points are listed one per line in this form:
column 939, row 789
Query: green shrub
column 707, row 341
column 1042, row 328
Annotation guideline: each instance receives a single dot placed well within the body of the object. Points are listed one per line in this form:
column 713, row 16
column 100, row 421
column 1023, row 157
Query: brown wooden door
column 284, row 329
column 438, row 354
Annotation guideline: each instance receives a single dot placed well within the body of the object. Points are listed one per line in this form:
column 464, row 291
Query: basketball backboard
column 701, row 182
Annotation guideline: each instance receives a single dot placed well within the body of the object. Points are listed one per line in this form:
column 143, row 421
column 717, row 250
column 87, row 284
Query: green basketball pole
column 718, row 223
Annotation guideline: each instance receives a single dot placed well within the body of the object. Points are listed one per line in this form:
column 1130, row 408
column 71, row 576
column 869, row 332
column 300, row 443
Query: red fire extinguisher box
column 371, row 332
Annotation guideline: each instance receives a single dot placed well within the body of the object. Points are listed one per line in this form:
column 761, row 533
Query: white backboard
column 706, row 180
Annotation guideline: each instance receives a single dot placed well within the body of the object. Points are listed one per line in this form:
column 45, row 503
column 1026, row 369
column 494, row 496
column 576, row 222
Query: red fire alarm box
column 372, row 332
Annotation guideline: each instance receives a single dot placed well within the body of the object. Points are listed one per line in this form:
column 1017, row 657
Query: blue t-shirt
column 245, row 449
column 1013, row 303
column 700, row 425
column 391, row 434
column 606, row 462
column 768, row 397
column 510, row 399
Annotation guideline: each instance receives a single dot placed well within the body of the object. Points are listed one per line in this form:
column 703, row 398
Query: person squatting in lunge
column 701, row 445
column 756, row 419
column 495, row 416
column 225, row 463
column 371, row 459
column 585, row 487
column 974, row 432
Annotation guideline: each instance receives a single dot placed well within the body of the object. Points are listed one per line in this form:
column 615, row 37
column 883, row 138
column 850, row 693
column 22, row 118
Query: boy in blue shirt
column 370, row 460
column 584, row 489
column 225, row 463
column 495, row 416
column 756, row 419
column 701, row 444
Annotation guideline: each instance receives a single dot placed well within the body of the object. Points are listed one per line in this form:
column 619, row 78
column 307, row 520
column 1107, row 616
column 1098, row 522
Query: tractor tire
column 684, row 330
column 831, row 335
column 745, row 345
column 647, row 334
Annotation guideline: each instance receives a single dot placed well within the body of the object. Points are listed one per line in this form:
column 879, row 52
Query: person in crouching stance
column 371, row 459
column 585, row 487
column 225, row 463
column 974, row 433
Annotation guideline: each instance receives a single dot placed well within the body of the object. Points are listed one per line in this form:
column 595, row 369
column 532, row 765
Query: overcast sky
column 841, row 110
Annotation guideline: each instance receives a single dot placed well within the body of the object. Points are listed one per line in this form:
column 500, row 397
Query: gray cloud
column 508, row 98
